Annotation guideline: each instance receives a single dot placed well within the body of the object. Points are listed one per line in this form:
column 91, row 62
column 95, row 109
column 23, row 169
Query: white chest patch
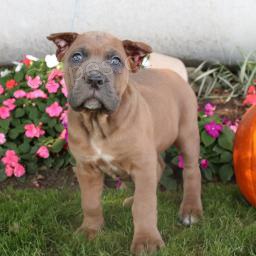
column 100, row 155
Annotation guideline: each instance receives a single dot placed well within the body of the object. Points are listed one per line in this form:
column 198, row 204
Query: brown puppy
column 119, row 122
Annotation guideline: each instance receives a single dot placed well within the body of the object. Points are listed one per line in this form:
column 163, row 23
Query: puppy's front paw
column 146, row 244
column 90, row 234
column 190, row 213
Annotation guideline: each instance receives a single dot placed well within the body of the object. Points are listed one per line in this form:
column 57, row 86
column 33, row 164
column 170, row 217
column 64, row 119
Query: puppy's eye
column 115, row 60
column 77, row 57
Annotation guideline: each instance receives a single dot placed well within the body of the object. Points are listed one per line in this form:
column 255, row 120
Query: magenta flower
column 4, row 112
column 19, row 94
column 209, row 109
column 52, row 86
column 55, row 73
column 213, row 129
column 2, row 138
column 33, row 83
column 204, row 163
column 43, row 152
column 54, row 110
column 180, row 162
column 9, row 103
column 37, row 94
column 1, row 89
column 32, row 131
column 10, row 157
column 118, row 183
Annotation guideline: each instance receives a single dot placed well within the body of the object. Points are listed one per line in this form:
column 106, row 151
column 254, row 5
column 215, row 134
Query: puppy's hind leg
column 191, row 207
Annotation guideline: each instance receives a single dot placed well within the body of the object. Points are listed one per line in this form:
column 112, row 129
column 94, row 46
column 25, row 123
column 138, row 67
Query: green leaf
column 207, row 139
column 58, row 127
column 41, row 106
column 2, row 151
column 32, row 166
column 58, row 163
column 19, row 112
column 12, row 146
column 57, row 146
column 226, row 157
column 4, row 124
column 226, row 139
column 34, row 114
column 2, row 173
column 168, row 181
column 207, row 174
column 52, row 122
column 24, row 147
column 13, row 134
column 226, row 172
column 19, row 76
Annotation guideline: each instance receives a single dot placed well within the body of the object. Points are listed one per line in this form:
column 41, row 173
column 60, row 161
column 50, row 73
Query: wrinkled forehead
column 98, row 43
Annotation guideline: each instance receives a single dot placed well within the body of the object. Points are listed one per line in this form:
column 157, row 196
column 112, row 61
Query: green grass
column 42, row 222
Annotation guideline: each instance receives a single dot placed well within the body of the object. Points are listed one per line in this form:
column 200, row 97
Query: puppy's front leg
column 146, row 235
column 91, row 186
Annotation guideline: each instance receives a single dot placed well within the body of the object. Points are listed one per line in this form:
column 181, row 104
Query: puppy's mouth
column 92, row 104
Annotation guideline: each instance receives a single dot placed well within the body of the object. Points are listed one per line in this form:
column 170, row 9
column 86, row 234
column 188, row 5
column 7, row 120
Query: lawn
column 42, row 222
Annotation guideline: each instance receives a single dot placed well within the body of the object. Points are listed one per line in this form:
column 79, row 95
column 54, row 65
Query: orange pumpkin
column 244, row 155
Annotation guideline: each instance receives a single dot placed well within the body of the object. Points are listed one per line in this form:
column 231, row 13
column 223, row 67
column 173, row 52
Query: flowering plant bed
column 32, row 117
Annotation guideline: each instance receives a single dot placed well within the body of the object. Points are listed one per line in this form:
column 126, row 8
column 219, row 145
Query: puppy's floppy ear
column 136, row 51
column 63, row 42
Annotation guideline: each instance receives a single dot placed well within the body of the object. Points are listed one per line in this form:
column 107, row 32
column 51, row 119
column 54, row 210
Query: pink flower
column 19, row 94
column 64, row 88
column 4, row 112
column 1, row 89
column 32, row 131
column 64, row 117
column 43, row 152
column 204, row 163
column 64, row 135
column 37, row 94
column 180, row 162
column 9, row 103
column 55, row 73
column 213, row 129
column 33, row 83
column 209, row 109
column 232, row 125
column 8, row 170
column 2, row 138
column 54, row 110
column 18, row 170
column 10, row 158
column 52, row 86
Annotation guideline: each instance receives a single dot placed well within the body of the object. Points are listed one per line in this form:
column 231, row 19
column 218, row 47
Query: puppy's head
column 96, row 67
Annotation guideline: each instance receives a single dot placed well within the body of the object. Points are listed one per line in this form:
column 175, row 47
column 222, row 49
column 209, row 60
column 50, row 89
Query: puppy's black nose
column 95, row 79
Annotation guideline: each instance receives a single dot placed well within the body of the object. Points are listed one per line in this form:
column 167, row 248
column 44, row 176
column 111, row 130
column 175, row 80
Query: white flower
column 18, row 66
column 145, row 62
column 51, row 61
column 30, row 57
column 5, row 73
